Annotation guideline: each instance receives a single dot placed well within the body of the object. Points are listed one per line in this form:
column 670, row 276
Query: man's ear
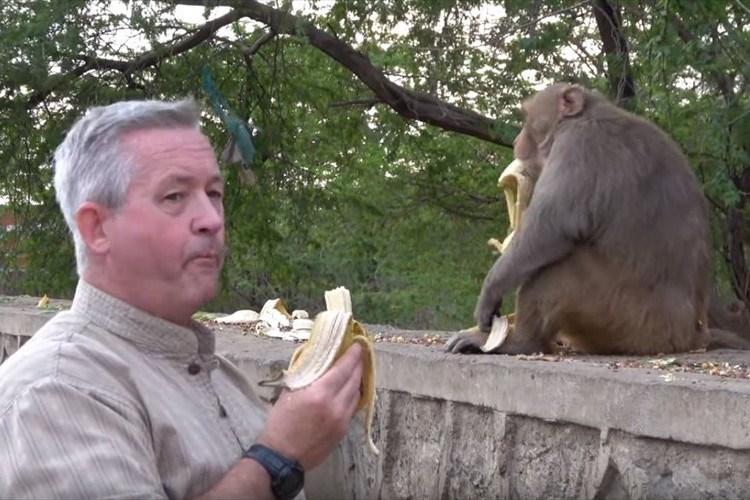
column 90, row 221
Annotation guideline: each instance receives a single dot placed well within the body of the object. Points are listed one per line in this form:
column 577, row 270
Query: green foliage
column 349, row 193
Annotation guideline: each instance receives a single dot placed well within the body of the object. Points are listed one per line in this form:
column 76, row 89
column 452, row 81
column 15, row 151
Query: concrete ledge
column 496, row 426
column 580, row 392
column 629, row 400
column 23, row 322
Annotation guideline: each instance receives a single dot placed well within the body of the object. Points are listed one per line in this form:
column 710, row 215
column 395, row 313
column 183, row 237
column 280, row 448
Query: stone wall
column 502, row 427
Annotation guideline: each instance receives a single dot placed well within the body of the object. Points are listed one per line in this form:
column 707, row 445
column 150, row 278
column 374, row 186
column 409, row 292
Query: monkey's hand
column 466, row 342
column 487, row 307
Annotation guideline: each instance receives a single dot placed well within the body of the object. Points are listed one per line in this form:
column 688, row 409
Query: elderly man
column 123, row 395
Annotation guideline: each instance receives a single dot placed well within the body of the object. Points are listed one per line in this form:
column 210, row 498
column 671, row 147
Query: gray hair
column 91, row 165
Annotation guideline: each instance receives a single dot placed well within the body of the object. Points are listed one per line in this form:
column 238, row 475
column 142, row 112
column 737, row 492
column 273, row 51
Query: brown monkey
column 614, row 248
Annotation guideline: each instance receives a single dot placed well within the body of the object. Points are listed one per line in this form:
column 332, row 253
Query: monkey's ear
column 572, row 100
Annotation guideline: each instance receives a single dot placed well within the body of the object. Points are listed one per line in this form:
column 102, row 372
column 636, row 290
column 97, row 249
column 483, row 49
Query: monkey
column 614, row 251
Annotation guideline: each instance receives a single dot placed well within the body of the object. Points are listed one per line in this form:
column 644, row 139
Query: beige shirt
column 107, row 401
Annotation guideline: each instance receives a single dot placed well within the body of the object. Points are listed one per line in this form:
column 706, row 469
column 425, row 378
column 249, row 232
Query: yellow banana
column 501, row 327
column 338, row 299
column 517, row 186
column 43, row 302
column 332, row 333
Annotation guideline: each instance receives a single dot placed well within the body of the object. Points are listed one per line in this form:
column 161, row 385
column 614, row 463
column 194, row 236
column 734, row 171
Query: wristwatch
column 287, row 476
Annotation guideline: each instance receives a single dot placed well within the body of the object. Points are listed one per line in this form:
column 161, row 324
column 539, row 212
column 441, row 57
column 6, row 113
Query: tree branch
column 622, row 87
column 407, row 103
column 722, row 81
column 249, row 51
column 149, row 59
column 365, row 103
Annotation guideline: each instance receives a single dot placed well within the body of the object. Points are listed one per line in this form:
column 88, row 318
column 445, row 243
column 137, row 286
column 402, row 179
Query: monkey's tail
column 725, row 339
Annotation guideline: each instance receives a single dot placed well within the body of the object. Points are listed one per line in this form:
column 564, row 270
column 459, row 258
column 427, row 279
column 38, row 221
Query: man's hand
column 307, row 423
column 303, row 425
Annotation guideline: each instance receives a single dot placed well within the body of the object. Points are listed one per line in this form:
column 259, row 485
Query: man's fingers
column 337, row 376
column 350, row 393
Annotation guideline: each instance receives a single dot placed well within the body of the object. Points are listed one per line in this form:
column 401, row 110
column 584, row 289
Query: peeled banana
column 517, row 186
column 332, row 333
column 338, row 299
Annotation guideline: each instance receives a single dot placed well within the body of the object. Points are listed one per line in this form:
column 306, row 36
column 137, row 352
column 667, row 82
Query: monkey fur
column 614, row 253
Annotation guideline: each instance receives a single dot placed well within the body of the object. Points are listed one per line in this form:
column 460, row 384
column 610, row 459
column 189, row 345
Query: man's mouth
column 209, row 255
column 206, row 259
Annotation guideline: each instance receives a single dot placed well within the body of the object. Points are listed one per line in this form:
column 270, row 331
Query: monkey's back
column 652, row 218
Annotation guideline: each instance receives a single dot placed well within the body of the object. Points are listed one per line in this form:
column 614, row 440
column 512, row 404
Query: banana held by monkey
column 501, row 327
column 332, row 333
column 517, row 187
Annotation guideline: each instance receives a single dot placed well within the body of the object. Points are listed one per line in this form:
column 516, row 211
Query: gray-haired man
column 123, row 395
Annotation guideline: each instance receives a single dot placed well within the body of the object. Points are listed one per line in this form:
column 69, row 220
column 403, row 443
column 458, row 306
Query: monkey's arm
column 558, row 217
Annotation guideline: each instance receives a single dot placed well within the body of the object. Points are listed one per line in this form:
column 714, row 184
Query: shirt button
column 194, row 368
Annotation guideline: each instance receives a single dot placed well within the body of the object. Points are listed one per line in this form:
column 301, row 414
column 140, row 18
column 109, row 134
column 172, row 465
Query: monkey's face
column 540, row 118
column 524, row 146
column 543, row 112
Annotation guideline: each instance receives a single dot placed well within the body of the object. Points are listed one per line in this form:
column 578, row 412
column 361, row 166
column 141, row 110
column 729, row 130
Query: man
column 123, row 395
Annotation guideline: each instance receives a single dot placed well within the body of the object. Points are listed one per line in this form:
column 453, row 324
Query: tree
column 380, row 127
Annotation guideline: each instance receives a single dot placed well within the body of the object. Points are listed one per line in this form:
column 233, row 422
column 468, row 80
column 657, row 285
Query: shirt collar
column 149, row 332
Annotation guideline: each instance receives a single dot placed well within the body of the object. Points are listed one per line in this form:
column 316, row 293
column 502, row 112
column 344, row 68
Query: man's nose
column 208, row 216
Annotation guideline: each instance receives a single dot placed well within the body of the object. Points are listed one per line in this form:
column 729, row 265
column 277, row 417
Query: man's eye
column 215, row 194
column 174, row 197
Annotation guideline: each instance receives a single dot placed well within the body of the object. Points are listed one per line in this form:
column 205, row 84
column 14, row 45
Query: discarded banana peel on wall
column 332, row 333
column 517, row 186
column 273, row 320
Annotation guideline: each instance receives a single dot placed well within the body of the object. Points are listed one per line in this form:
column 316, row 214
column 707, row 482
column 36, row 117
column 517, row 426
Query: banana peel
column 517, row 186
column 274, row 320
column 501, row 327
column 43, row 302
column 332, row 333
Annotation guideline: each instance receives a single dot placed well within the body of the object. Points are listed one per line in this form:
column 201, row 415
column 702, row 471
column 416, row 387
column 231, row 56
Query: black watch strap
column 287, row 476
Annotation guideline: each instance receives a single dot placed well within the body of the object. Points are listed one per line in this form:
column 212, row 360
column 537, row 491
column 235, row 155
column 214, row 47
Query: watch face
column 289, row 483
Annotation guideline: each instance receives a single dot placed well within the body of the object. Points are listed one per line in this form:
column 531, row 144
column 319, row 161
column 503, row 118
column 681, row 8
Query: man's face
column 167, row 240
